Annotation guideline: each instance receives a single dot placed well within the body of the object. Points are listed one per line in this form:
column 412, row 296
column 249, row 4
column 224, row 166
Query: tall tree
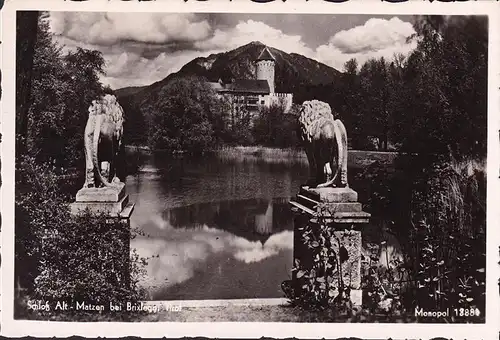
column 375, row 100
column 185, row 116
column 62, row 88
column 26, row 35
column 443, row 108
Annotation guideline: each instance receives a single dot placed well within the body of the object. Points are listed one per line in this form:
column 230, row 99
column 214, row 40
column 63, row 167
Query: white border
column 10, row 327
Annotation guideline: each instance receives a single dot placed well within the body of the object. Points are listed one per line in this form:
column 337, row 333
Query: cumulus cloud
column 376, row 38
column 374, row 35
column 131, row 69
column 111, row 28
column 142, row 48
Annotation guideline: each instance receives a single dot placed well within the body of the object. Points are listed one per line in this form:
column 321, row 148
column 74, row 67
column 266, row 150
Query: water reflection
column 216, row 244
column 218, row 229
column 252, row 219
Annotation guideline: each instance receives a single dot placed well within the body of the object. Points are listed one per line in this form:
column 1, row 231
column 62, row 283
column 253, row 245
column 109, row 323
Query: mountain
column 293, row 71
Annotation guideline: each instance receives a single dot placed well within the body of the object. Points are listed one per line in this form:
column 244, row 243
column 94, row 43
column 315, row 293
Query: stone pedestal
column 110, row 200
column 339, row 209
column 114, row 202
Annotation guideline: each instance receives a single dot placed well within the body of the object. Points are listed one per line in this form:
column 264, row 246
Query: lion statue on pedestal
column 103, row 140
column 325, row 142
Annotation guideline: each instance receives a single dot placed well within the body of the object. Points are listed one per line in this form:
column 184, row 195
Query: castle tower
column 265, row 68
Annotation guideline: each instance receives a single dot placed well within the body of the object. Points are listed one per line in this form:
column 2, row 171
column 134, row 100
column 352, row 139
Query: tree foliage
column 442, row 103
column 275, row 128
column 186, row 117
column 26, row 31
column 62, row 87
column 434, row 100
column 55, row 260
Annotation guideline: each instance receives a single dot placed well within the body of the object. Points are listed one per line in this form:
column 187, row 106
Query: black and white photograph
column 250, row 167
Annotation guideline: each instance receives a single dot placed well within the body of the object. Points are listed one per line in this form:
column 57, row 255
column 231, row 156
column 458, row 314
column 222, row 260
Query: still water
column 216, row 228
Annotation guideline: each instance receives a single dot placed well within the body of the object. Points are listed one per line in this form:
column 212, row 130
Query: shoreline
column 356, row 158
column 255, row 149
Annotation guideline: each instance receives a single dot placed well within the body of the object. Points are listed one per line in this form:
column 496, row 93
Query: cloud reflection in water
column 183, row 252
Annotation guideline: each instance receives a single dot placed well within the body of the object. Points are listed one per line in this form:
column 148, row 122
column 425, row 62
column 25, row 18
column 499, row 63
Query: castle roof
column 265, row 55
column 255, row 86
column 216, row 86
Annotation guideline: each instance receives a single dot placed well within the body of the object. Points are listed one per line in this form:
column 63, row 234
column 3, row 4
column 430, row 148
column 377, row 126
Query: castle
column 251, row 94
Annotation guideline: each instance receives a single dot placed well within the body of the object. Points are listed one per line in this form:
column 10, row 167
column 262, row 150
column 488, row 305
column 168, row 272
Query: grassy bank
column 356, row 158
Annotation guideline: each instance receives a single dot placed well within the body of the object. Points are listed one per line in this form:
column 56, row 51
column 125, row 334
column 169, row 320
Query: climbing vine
column 321, row 282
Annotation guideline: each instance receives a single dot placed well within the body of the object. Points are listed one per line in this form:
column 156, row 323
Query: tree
column 61, row 90
column 350, row 108
column 375, row 93
column 186, row 117
column 443, row 106
column 26, row 32
column 135, row 125
column 275, row 128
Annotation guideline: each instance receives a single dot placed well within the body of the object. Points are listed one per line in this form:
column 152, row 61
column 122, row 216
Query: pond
column 215, row 228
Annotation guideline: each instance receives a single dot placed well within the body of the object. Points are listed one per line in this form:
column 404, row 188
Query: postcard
column 238, row 169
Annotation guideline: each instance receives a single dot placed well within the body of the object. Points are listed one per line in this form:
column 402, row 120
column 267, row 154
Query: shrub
column 83, row 258
column 449, row 224
column 436, row 206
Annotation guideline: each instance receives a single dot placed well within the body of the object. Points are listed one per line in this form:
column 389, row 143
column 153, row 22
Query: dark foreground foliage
column 436, row 209
column 66, row 258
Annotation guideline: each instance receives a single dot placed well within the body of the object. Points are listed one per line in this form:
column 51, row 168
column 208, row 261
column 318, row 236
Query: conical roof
column 265, row 55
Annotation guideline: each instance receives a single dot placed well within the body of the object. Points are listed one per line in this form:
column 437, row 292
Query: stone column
column 339, row 209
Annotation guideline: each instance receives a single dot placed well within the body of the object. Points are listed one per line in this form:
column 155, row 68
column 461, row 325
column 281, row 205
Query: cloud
column 142, row 48
column 250, row 252
column 186, row 250
column 376, row 38
column 247, row 31
column 333, row 57
column 131, row 69
column 374, row 35
column 111, row 28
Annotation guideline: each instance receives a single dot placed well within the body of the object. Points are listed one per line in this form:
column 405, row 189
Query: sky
column 142, row 48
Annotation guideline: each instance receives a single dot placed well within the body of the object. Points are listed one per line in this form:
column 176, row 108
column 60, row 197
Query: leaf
column 343, row 254
column 300, row 273
column 320, row 279
column 481, row 270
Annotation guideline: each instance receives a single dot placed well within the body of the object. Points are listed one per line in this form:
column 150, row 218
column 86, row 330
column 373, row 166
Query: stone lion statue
column 325, row 142
column 103, row 140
